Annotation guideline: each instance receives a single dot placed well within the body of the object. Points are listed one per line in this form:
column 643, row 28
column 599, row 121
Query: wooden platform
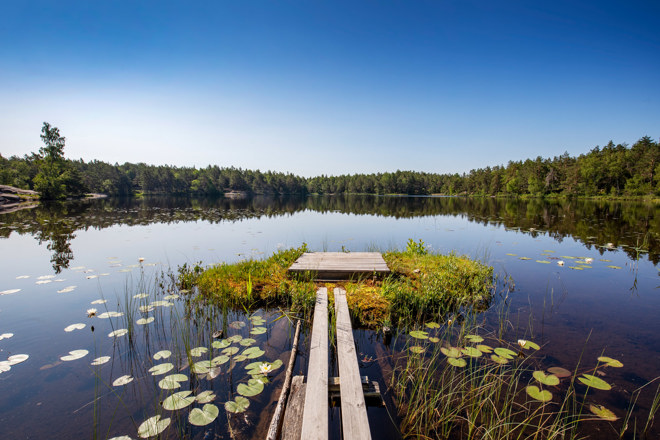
column 341, row 265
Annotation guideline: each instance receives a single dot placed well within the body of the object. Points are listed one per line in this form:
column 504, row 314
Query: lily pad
column 163, row 354
column 117, row 333
column 499, row 359
column 9, row 292
column 614, row 267
column 434, row 339
column 230, row 351
column 201, row 367
column 252, row 388
column 101, row 360
column 452, row 352
column 153, row 426
column 240, row 358
column 253, row 352
column 505, row 352
column 609, row 362
column 146, row 309
column 144, row 321
column 106, row 315
column 178, row 400
column 159, row 369
column 17, row 359
column 419, row 334
column 205, row 397
column 559, row 371
column 204, row 416
column 198, row 351
column 549, row 379
column 474, row 338
column 6, row 336
column 172, row 381
column 72, row 327
column 224, row 343
column 235, row 338
column 162, row 304
column 456, row 362
column 237, row 325
column 122, row 380
column 247, row 342
column 237, row 406
column 417, row 349
column 73, row 355
column 140, row 295
column 594, row 382
column 219, row 360
column 484, row 348
column 172, row 296
column 432, row 325
column 537, row 394
column 258, row 331
column 471, row 351
column 602, row 413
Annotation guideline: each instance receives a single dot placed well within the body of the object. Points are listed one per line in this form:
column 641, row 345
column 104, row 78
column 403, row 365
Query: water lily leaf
column 163, row 354
column 543, row 261
column 213, row 373
column 474, row 338
column 253, row 352
column 237, row 406
column 524, row 258
column 594, row 382
column 235, row 338
column 452, row 352
column 140, row 295
column 252, row 388
column 178, row 400
column 277, row 363
column 201, row 367
column 559, row 371
column 162, row 303
column 198, row 351
column 230, row 351
column 237, row 325
column 204, row 416
column 205, row 397
column 258, row 331
column 144, row 321
column 117, row 333
column 172, row 381
column 224, row 343
column 67, row 289
column 105, row 315
column 101, row 360
column 121, row 437
column 512, row 255
column 72, row 327
column 484, row 348
column 505, row 352
column 609, row 362
column 549, row 379
column 498, row 359
column 146, row 309
column 457, row 362
column 6, row 336
column 240, row 358
column 4, row 366
column 537, row 394
column 172, row 296
column 247, row 342
column 432, row 325
column 602, row 413
column 419, row 334
column 122, row 380
column 159, row 369
column 434, row 339
column 614, row 267
column 73, row 355
column 152, row 427
column 417, row 349
column 219, row 360
column 17, row 359
column 471, row 351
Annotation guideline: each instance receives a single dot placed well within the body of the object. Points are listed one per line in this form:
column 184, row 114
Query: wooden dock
column 341, row 265
column 306, row 415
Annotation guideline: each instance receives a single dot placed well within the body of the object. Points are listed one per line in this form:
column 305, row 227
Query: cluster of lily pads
column 13, row 359
column 474, row 348
column 575, row 263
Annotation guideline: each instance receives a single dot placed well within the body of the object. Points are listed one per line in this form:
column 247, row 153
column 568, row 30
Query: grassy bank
column 421, row 285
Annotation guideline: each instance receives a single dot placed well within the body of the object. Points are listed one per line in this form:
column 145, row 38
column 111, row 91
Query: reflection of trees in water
column 595, row 223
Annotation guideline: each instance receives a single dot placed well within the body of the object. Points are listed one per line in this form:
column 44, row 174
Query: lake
column 60, row 260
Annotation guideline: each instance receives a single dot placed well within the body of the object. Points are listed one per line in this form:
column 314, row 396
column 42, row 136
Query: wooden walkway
column 309, row 420
column 340, row 265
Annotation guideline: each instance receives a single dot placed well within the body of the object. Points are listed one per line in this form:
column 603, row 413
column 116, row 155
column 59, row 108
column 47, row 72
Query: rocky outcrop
column 12, row 198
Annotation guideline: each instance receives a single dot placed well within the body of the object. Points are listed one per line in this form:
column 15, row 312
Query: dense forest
column 613, row 170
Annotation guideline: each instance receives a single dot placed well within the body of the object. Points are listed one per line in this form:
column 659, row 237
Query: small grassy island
column 421, row 285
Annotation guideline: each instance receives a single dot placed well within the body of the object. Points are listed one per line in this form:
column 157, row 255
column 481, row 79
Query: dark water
column 611, row 307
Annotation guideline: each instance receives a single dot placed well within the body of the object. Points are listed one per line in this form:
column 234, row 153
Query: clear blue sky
column 328, row 87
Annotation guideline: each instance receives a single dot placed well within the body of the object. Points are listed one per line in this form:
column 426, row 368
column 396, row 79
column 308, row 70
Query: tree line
column 613, row 170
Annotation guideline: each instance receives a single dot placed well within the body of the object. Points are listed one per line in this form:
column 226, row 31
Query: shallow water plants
column 594, row 382
column 74, row 354
column 203, row 416
column 178, row 400
column 153, row 426
column 238, row 405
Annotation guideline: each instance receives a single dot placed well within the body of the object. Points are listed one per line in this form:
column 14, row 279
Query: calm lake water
column 57, row 260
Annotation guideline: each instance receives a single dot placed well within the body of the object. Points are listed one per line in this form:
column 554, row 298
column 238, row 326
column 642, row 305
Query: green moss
column 420, row 285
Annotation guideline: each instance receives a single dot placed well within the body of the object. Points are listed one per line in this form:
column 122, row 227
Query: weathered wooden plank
column 315, row 416
column 293, row 415
column 355, row 423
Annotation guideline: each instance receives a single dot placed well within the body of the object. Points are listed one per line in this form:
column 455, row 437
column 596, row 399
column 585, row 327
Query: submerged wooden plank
column 315, row 416
column 292, row 424
column 355, row 423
